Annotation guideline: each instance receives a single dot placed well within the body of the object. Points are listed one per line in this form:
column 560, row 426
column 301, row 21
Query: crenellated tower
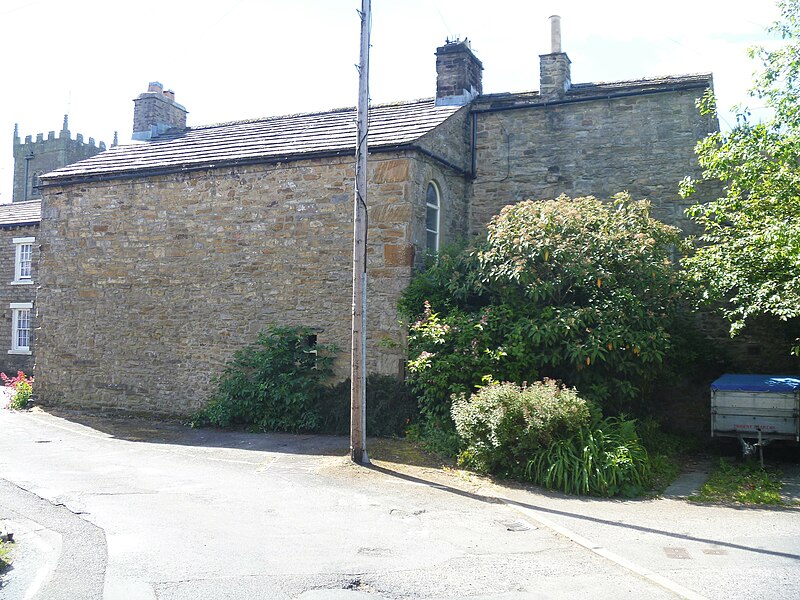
column 33, row 158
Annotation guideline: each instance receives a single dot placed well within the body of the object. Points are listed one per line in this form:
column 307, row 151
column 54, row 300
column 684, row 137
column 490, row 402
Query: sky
column 228, row 60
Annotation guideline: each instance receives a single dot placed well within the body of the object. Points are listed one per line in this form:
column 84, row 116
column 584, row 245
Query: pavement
column 132, row 509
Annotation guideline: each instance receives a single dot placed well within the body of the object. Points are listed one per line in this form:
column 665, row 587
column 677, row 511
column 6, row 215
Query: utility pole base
column 359, row 457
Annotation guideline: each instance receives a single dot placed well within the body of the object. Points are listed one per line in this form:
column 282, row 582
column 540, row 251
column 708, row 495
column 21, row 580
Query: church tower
column 34, row 158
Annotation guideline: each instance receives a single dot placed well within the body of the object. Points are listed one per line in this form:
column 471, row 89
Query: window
column 311, row 348
column 36, row 185
column 23, row 259
column 21, row 327
column 432, row 218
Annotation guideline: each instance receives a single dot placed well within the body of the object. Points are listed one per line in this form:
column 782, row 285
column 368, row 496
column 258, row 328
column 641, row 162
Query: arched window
column 432, row 203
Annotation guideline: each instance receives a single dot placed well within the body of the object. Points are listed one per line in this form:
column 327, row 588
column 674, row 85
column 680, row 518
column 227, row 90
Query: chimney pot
column 554, row 71
column 155, row 86
column 170, row 94
column 555, row 34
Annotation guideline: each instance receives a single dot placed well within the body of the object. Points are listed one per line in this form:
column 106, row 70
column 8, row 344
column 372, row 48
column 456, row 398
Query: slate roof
column 260, row 140
column 640, row 86
column 21, row 213
column 606, row 89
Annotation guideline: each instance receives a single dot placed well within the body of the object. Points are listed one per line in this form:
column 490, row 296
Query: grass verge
column 5, row 555
column 742, row 483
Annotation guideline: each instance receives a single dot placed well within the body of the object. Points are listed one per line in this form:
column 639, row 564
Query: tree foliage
column 572, row 289
column 750, row 257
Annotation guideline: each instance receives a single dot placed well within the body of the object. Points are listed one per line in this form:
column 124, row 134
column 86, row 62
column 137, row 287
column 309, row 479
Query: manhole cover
column 516, row 525
column 676, row 553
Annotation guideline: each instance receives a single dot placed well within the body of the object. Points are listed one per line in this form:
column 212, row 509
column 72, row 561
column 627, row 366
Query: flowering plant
column 22, row 386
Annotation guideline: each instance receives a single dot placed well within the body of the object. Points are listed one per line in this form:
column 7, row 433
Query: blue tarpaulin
column 779, row 384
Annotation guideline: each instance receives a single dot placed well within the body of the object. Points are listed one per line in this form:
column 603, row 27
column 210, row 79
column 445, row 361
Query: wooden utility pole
column 358, row 364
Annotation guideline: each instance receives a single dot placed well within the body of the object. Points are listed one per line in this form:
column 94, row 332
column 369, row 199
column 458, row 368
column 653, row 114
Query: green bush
column 454, row 354
column 274, row 384
column 391, row 407
column 450, row 279
column 502, row 425
column 576, row 290
column 600, row 459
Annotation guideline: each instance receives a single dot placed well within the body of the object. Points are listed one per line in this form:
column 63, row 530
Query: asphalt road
column 142, row 510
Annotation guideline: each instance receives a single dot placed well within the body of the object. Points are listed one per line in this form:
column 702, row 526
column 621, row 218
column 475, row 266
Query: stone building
column 19, row 227
column 161, row 258
column 34, row 158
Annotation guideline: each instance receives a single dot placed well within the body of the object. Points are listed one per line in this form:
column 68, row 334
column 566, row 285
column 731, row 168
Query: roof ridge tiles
column 665, row 80
column 344, row 109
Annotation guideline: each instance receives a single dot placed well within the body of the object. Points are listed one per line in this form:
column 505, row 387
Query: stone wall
column 447, row 163
column 640, row 143
column 149, row 285
column 13, row 292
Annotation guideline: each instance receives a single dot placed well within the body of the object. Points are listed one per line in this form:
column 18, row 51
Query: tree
column 572, row 289
column 749, row 261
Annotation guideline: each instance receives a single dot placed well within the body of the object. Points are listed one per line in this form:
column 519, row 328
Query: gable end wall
column 149, row 286
column 643, row 144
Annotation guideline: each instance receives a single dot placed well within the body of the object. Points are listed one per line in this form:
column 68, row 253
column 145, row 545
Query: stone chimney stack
column 458, row 74
column 155, row 112
column 554, row 67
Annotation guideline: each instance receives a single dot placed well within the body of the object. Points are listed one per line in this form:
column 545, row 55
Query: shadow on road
column 574, row 515
column 174, row 432
column 139, row 429
column 386, row 451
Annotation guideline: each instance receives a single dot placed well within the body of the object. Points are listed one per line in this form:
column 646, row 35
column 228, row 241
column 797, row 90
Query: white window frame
column 438, row 208
column 20, row 278
column 17, row 309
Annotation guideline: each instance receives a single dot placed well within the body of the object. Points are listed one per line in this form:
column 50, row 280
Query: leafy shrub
column 391, row 407
column 576, row 290
column 502, row 425
column 600, row 459
column 274, row 384
column 22, row 387
column 448, row 280
column 454, row 354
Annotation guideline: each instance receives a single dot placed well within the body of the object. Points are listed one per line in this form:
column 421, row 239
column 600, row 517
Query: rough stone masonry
column 151, row 278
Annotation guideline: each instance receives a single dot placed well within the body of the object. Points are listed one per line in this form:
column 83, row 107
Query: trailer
column 756, row 409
